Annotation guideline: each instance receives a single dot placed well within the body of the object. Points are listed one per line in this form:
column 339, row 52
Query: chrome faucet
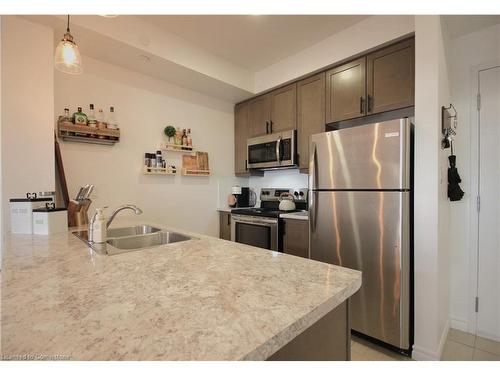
column 132, row 207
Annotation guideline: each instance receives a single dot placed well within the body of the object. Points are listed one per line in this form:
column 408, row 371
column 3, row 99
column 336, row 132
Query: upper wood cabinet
column 346, row 91
column 259, row 113
column 283, row 109
column 310, row 114
column 241, row 127
column 391, row 78
column 273, row 112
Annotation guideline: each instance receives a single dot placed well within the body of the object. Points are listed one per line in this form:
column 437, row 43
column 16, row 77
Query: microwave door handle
column 278, row 153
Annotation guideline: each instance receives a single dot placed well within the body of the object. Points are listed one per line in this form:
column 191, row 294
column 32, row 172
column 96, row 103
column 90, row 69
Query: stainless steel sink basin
column 148, row 240
column 121, row 240
column 132, row 231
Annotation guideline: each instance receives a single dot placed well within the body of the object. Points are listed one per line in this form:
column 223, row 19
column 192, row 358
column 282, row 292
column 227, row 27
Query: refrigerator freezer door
column 374, row 156
column 368, row 231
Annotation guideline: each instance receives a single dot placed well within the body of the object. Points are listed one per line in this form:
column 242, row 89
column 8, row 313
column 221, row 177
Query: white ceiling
column 464, row 24
column 253, row 42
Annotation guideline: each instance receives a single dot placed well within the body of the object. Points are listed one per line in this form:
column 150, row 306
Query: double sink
column 126, row 239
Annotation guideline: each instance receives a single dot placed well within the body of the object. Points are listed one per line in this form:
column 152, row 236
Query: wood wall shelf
column 68, row 132
column 195, row 172
column 177, row 148
column 157, row 171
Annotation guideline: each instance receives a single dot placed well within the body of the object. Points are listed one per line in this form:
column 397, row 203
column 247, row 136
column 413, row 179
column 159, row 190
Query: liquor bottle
column 80, row 118
column 189, row 139
column 101, row 124
column 66, row 120
column 184, row 140
column 92, row 121
column 112, row 123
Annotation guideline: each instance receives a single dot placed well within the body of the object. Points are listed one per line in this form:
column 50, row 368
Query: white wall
column 431, row 207
column 369, row 33
column 467, row 52
column 287, row 178
column 28, row 109
column 144, row 107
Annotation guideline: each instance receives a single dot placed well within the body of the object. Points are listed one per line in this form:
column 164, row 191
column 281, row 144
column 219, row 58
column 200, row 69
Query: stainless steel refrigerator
column 359, row 202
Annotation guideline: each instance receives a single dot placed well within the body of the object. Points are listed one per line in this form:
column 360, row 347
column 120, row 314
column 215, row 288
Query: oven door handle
column 278, row 148
column 254, row 220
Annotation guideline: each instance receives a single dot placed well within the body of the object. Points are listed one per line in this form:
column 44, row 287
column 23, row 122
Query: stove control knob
column 295, row 194
column 301, row 193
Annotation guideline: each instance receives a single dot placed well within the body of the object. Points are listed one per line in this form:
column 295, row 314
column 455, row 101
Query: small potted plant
column 169, row 132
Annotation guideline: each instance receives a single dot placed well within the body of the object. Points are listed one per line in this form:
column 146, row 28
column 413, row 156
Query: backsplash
column 285, row 178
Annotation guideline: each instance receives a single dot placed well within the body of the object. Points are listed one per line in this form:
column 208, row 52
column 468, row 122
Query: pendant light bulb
column 67, row 58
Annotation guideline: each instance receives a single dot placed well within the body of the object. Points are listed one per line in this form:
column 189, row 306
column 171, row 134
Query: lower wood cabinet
column 296, row 237
column 225, row 225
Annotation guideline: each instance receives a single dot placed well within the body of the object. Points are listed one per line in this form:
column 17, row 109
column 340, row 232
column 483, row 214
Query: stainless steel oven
column 277, row 150
column 255, row 231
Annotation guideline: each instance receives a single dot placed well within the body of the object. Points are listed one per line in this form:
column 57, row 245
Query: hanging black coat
column 455, row 193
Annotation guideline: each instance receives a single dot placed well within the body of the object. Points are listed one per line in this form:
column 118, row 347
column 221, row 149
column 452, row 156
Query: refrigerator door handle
column 313, row 181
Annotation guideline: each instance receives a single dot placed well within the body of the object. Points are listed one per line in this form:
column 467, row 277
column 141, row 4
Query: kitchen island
column 202, row 299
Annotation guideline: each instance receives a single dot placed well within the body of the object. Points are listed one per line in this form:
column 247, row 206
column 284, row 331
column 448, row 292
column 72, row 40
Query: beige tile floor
column 462, row 346
column 459, row 346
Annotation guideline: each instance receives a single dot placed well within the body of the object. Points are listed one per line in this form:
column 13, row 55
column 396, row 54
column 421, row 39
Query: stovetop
column 270, row 200
column 259, row 211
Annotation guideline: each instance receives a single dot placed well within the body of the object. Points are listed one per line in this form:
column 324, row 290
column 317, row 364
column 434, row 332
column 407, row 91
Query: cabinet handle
column 361, row 109
column 229, row 219
column 369, row 103
column 267, row 127
column 271, row 124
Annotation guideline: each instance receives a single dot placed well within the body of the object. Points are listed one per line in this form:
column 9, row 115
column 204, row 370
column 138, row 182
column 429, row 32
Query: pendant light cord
column 67, row 28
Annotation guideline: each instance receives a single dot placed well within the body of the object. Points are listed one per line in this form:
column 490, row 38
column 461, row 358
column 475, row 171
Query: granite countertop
column 203, row 299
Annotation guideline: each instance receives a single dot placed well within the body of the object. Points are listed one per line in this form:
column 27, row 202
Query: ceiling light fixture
column 67, row 58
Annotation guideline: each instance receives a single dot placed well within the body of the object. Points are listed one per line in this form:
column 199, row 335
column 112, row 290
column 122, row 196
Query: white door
column 488, row 316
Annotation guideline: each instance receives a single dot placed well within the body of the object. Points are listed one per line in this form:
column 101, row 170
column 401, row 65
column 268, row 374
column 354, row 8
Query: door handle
column 313, row 181
column 278, row 153
column 361, row 109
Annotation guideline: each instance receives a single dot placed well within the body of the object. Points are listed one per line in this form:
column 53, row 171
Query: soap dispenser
column 98, row 226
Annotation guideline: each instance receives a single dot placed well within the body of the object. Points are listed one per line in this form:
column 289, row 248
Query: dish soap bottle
column 99, row 230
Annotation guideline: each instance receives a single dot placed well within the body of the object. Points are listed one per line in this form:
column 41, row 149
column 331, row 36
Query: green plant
column 169, row 131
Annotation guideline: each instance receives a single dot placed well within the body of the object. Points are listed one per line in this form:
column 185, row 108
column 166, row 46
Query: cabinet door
column 259, row 116
column 311, row 114
column 225, row 226
column 283, row 109
column 391, row 77
column 240, row 138
column 296, row 238
column 345, row 91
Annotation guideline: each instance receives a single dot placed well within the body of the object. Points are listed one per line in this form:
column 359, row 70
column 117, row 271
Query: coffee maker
column 241, row 197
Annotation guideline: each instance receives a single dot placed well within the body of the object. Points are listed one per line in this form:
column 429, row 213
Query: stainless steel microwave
column 277, row 150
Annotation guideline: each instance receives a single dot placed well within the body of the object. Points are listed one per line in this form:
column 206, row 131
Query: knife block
column 78, row 212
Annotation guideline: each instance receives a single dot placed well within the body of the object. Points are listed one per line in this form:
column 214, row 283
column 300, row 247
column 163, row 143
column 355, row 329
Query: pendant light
column 67, row 58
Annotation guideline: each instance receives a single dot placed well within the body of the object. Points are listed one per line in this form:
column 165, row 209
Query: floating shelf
column 177, row 148
column 67, row 132
column 195, row 172
column 157, row 171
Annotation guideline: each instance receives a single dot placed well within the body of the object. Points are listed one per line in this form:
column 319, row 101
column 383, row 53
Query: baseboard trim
column 460, row 324
column 423, row 354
